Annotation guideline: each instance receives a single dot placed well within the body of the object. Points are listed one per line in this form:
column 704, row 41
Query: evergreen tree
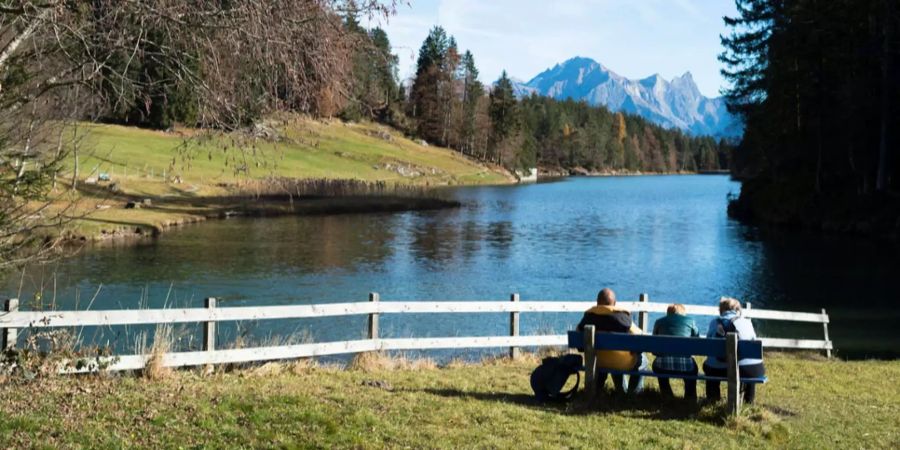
column 502, row 113
column 473, row 90
column 448, row 94
column 427, row 89
column 817, row 86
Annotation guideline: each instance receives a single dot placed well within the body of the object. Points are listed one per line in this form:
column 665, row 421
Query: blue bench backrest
column 666, row 345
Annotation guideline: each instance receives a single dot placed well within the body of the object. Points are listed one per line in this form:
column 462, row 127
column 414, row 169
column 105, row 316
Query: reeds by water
column 323, row 187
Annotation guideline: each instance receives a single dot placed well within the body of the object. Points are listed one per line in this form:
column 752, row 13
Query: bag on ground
column 548, row 379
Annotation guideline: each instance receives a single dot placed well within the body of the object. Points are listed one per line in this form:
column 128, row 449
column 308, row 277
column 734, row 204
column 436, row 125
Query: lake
column 668, row 236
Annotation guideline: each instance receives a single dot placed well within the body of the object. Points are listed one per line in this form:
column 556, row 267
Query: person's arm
column 635, row 329
column 581, row 324
column 656, row 328
column 752, row 336
column 695, row 332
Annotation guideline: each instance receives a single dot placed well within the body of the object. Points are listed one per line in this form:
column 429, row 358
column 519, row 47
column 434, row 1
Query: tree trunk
column 883, row 171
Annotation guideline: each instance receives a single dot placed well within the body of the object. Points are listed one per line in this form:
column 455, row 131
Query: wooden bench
column 731, row 349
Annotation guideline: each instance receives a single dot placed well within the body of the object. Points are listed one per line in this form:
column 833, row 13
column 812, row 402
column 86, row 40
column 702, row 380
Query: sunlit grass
column 309, row 149
column 809, row 403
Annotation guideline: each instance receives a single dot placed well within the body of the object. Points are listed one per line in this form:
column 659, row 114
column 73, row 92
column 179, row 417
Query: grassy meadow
column 190, row 175
column 809, row 403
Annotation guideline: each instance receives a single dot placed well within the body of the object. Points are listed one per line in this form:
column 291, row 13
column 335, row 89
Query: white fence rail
column 12, row 319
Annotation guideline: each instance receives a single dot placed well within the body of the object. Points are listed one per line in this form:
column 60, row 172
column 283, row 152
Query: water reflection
column 668, row 236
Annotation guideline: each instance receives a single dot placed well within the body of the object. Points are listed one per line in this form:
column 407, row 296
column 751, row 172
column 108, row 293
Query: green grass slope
column 191, row 175
column 296, row 147
column 807, row 404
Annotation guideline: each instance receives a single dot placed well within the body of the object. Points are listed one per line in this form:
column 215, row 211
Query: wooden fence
column 13, row 319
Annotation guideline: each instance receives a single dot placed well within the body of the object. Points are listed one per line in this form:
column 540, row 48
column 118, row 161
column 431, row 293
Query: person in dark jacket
column 606, row 317
column 676, row 323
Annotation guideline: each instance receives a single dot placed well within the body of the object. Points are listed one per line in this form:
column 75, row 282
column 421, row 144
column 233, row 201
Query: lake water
column 668, row 236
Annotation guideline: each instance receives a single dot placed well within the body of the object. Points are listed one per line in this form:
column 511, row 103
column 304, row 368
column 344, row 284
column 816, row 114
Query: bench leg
column 734, row 373
column 590, row 362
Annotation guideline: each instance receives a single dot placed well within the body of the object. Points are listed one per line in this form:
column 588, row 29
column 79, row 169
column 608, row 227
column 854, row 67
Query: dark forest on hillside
column 818, row 86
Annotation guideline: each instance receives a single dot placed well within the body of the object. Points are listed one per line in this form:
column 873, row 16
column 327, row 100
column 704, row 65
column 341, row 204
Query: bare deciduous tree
column 65, row 61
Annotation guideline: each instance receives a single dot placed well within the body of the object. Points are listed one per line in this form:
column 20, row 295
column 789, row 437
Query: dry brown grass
column 303, row 366
column 382, row 361
column 524, row 357
column 266, row 370
column 758, row 421
column 163, row 340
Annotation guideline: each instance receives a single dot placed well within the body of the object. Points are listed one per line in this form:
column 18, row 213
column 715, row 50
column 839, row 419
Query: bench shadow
column 500, row 397
column 649, row 404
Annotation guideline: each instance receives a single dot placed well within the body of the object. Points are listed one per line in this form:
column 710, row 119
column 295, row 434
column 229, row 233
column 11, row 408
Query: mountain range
column 675, row 103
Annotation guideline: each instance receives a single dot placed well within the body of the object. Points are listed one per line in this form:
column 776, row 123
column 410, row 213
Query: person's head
column 607, row 297
column 676, row 308
column 729, row 304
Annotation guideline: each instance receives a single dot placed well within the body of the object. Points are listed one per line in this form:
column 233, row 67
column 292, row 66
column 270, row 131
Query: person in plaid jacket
column 676, row 323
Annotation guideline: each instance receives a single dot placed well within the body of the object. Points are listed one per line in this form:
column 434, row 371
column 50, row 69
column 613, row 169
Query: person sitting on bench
column 676, row 323
column 606, row 317
column 730, row 320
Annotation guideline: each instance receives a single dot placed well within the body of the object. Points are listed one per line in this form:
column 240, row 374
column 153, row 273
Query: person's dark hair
column 607, row 297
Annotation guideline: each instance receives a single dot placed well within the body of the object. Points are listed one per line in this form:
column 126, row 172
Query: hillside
column 297, row 148
column 190, row 175
column 807, row 404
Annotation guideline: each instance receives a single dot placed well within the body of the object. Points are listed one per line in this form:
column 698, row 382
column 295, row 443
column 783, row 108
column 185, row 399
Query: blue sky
column 635, row 38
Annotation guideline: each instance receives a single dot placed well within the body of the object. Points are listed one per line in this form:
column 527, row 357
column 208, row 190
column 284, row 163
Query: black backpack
column 725, row 326
column 548, row 379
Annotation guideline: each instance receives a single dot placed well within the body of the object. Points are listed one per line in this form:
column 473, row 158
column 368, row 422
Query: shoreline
column 205, row 208
column 263, row 206
column 581, row 172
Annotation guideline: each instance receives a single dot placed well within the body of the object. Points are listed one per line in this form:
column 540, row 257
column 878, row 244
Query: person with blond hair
column 731, row 320
column 676, row 323
column 606, row 317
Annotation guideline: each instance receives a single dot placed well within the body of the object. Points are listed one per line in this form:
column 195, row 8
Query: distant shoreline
column 581, row 172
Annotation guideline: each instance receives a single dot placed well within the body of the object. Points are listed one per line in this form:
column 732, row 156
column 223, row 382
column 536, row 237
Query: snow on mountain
column 675, row 103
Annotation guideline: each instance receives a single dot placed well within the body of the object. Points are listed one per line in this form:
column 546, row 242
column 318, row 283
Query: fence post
column 9, row 335
column 373, row 317
column 734, row 373
column 209, row 327
column 825, row 329
column 590, row 361
column 514, row 326
column 644, row 316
